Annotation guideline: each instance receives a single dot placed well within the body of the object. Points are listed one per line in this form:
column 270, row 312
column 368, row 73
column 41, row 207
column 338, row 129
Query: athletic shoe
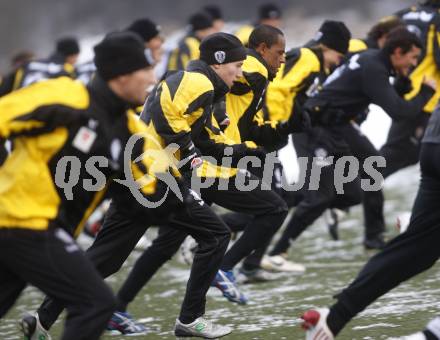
column 225, row 281
column 201, row 328
column 376, row 243
column 32, row 328
column 257, row 275
column 279, row 263
column 187, row 250
column 315, row 324
column 332, row 221
column 124, row 323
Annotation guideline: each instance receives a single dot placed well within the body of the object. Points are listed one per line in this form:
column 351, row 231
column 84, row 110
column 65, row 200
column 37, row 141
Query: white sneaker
column 280, row 264
column 315, row 324
column 201, row 328
column 32, row 328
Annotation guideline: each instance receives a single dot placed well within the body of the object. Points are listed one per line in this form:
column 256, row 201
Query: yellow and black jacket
column 179, row 111
column 425, row 22
column 301, row 75
column 46, row 126
column 244, row 105
column 84, row 72
column 359, row 45
column 35, row 71
column 187, row 50
column 243, row 33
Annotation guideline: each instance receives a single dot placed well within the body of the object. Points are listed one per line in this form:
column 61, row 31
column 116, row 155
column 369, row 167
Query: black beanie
column 221, row 48
column 67, row 46
column 269, row 11
column 335, row 35
column 119, row 53
column 200, row 21
column 214, row 11
column 146, row 28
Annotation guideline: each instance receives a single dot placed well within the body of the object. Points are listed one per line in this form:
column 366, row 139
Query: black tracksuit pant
column 268, row 211
column 403, row 144
column 372, row 201
column 51, row 261
column 119, row 236
column 407, row 255
column 239, row 221
column 315, row 202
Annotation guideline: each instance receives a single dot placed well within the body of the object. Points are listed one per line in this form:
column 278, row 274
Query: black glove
column 240, row 151
column 220, row 114
column 362, row 116
column 299, row 121
column 257, row 152
column 402, row 85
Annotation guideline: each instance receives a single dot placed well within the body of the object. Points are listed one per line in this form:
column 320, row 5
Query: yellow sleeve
column 149, row 160
column 42, row 106
column 282, row 91
column 356, row 45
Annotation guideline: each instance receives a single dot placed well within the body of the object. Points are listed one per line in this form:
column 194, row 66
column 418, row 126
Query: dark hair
column 269, row 11
column 200, row 21
column 67, row 46
column 22, row 57
column 384, row 26
column 264, row 34
column 401, row 37
column 214, row 11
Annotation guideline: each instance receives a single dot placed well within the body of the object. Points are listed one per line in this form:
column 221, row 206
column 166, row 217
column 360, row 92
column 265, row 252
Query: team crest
column 220, row 56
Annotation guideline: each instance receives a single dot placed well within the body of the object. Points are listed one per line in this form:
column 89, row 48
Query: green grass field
column 274, row 307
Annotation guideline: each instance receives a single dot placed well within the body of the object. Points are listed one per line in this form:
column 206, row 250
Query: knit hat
column 221, row 48
column 335, row 35
column 146, row 28
column 214, row 11
column 67, row 46
column 200, row 21
column 269, row 11
column 119, row 53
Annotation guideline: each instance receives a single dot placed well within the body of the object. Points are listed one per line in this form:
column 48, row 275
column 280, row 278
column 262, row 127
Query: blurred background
column 35, row 25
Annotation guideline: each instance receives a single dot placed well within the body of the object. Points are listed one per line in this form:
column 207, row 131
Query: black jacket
column 46, row 126
column 362, row 80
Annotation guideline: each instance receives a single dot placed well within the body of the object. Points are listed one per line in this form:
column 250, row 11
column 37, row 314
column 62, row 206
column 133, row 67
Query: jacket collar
column 371, row 43
column 387, row 62
column 257, row 56
column 106, row 98
column 320, row 56
column 220, row 87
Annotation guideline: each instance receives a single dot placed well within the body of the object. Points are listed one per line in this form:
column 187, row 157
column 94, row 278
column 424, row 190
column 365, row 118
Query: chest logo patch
column 84, row 139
